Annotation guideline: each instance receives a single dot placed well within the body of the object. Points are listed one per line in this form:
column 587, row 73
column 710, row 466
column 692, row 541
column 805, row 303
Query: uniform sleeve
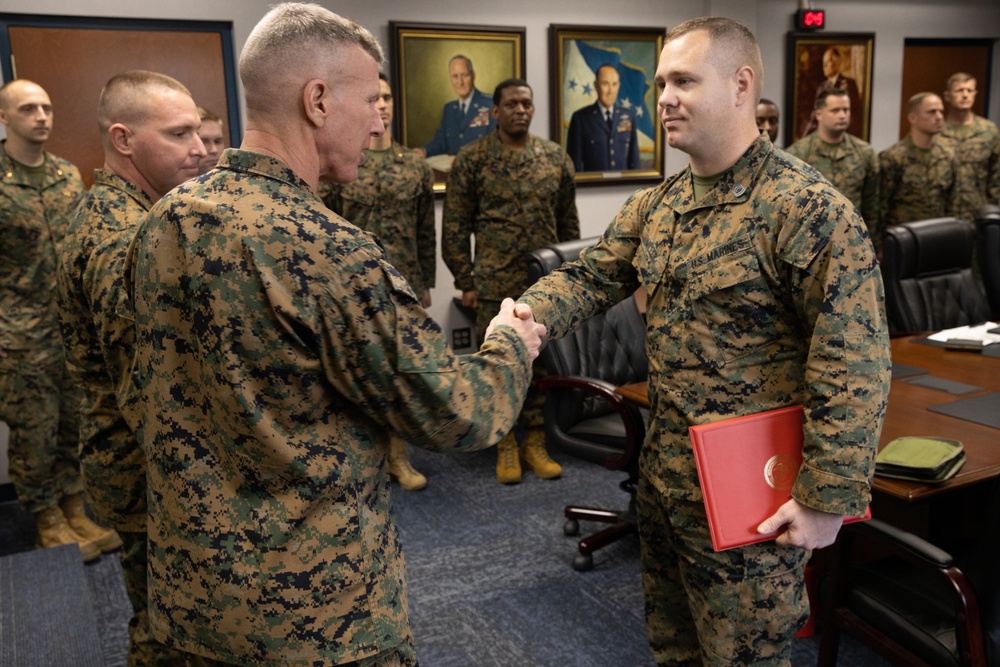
column 383, row 352
column 888, row 177
column 567, row 219
column 604, row 275
column 993, row 178
column 458, row 222
column 838, row 294
column 426, row 237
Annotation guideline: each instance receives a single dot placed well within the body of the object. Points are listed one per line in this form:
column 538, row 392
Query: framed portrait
column 829, row 60
column 604, row 101
column 444, row 76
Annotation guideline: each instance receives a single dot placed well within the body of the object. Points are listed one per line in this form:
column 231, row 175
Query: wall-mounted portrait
column 817, row 62
column 444, row 75
column 604, row 101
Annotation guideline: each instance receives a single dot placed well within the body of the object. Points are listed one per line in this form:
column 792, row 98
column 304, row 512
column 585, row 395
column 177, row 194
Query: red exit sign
column 810, row 19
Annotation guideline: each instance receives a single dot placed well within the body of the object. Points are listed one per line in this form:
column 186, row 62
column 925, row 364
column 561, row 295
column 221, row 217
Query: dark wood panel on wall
column 73, row 59
column 927, row 64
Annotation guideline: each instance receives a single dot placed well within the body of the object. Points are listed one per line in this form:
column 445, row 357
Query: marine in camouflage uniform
column 917, row 174
column 283, row 346
column 763, row 292
column 851, row 166
column 513, row 200
column 38, row 399
column 278, row 351
column 977, row 164
column 96, row 313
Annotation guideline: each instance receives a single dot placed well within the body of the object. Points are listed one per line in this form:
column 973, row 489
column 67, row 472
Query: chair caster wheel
column 571, row 527
column 583, row 562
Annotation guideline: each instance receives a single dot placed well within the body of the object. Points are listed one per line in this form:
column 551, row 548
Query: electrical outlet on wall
column 461, row 338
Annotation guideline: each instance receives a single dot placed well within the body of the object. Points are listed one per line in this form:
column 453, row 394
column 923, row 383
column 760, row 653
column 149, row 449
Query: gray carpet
column 46, row 615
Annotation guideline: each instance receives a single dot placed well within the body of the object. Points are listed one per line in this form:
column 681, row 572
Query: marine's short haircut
column 958, row 77
column 914, row 103
column 290, row 34
column 732, row 46
column 513, row 82
column 125, row 97
column 208, row 114
column 829, row 92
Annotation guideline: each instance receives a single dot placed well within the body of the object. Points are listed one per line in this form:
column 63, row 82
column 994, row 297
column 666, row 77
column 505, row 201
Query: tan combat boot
column 75, row 511
column 534, row 456
column 53, row 531
column 508, row 465
column 400, row 468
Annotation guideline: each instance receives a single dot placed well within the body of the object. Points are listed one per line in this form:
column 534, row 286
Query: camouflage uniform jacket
column 279, row 349
column 851, row 166
column 915, row 184
column 764, row 293
column 394, row 200
column 32, row 225
column 977, row 161
column 513, row 201
column 100, row 343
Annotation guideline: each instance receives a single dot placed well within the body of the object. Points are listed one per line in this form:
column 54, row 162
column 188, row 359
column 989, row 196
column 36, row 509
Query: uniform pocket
column 733, row 304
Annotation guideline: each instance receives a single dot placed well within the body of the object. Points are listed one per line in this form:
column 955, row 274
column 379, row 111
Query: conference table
column 908, row 413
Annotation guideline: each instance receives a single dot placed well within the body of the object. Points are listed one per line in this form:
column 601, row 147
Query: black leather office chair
column 988, row 224
column 584, row 417
column 920, row 605
column 929, row 281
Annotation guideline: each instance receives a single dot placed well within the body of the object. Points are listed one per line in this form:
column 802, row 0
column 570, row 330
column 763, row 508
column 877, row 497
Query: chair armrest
column 907, row 544
column 634, row 430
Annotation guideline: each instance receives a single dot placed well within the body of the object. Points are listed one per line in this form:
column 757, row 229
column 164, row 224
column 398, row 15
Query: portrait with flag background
column 576, row 53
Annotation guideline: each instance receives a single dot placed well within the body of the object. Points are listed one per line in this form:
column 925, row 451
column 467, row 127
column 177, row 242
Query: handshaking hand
column 519, row 316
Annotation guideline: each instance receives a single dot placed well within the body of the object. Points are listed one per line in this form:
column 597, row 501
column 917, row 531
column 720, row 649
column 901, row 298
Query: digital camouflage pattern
column 99, row 332
column 851, row 166
column 977, row 162
column 280, row 351
column 513, row 201
column 393, row 198
column 764, row 293
column 38, row 399
column 914, row 183
column 100, row 346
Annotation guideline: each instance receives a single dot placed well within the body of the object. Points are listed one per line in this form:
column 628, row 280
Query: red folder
column 747, row 467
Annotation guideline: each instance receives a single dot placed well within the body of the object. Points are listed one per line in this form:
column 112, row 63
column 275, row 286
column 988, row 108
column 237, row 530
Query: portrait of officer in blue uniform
column 602, row 136
column 465, row 119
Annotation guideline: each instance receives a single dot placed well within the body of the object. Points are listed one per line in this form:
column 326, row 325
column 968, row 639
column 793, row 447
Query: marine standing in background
column 763, row 291
column 514, row 192
column 38, row 398
column 393, row 198
column 278, row 350
column 149, row 132
column 768, row 118
column 975, row 142
column 917, row 174
column 846, row 161
column 213, row 137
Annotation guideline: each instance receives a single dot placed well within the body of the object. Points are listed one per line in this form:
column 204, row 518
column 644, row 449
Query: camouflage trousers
column 531, row 414
column 40, row 403
column 401, row 656
column 143, row 650
column 742, row 606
